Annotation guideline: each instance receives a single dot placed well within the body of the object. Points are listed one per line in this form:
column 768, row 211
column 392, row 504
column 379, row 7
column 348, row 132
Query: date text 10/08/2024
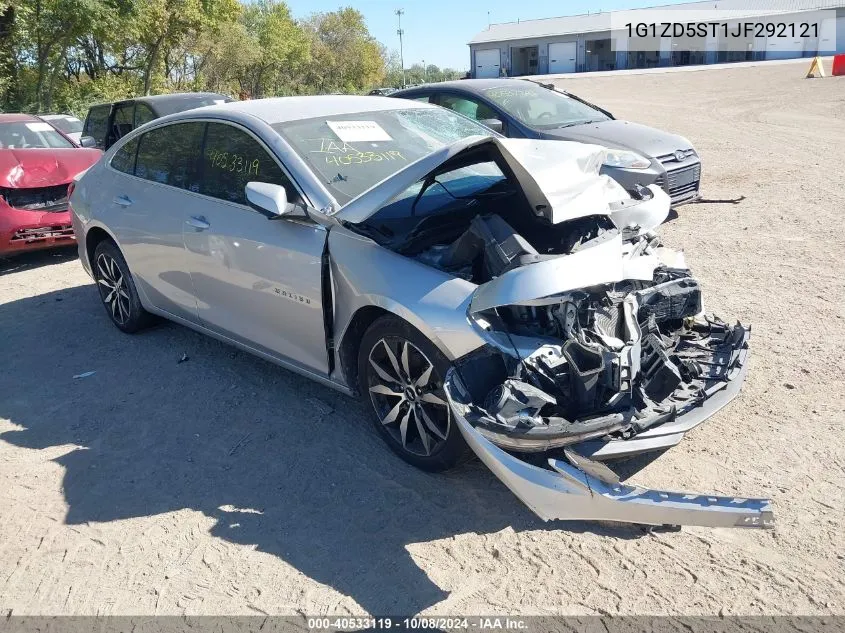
column 495, row 623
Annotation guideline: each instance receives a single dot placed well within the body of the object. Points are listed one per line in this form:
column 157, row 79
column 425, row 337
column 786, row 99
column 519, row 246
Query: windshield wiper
column 574, row 123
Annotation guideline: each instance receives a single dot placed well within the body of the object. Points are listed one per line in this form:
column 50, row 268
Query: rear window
column 96, row 124
column 67, row 124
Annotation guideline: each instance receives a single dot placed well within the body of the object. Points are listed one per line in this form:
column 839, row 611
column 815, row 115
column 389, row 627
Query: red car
column 37, row 163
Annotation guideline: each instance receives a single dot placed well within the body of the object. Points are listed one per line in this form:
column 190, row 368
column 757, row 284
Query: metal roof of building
column 600, row 21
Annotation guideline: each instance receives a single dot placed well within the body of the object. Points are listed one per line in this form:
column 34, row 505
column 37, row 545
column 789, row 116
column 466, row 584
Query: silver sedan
column 486, row 295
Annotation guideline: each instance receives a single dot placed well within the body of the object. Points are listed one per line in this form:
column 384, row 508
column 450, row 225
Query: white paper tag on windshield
column 358, row 131
column 39, row 126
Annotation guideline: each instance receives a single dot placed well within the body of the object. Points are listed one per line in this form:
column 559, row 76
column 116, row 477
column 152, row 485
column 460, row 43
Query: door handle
column 123, row 201
column 198, row 222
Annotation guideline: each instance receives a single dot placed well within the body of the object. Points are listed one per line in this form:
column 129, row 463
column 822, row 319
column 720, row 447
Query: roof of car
column 169, row 103
column 467, row 85
column 47, row 117
column 279, row 109
column 11, row 118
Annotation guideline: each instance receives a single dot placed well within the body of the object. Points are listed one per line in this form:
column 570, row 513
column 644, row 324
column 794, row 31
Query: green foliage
column 64, row 55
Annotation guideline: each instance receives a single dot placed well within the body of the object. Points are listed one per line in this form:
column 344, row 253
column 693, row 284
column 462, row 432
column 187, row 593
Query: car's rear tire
column 400, row 372
column 117, row 289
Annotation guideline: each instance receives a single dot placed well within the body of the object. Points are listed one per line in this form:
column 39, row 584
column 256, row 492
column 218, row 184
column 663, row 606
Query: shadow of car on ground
column 280, row 462
column 36, row 259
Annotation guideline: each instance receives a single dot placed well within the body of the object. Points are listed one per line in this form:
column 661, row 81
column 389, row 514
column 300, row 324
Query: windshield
column 352, row 152
column 542, row 108
column 30, row 134
column 67, row 124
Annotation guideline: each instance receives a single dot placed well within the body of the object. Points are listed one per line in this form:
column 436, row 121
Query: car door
column 148, row 198
column 257, row 281
column 97, row 124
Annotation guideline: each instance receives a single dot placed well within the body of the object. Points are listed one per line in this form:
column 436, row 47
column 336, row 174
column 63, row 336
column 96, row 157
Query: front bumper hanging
column 587, row 490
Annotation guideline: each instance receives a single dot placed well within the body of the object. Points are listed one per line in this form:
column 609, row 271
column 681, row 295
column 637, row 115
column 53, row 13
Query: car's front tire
column 400, row 372
column 117, row 289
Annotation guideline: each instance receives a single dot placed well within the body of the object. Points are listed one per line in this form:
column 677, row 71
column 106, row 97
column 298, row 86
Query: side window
column 96, row 123
column 424, row 98
column 234, row 158
column 143, row 114
column 124, row 159
column 467, row 107
column 169, row 155
column 122, row 124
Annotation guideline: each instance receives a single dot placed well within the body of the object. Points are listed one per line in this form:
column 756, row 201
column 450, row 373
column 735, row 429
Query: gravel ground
column 226, row 485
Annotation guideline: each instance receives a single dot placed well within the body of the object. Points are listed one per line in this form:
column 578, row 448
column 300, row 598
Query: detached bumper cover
column 588, row 490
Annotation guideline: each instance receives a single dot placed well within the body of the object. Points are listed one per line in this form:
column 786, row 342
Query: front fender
column 434, row 302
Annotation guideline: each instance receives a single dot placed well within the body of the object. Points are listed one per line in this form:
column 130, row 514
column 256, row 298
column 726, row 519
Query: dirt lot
column 225, row 485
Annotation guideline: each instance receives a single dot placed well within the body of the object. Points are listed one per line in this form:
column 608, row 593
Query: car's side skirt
column 277, row 360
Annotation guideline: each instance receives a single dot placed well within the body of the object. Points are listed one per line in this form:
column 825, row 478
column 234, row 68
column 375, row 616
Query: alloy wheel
column 407, row 396
column 113, row 291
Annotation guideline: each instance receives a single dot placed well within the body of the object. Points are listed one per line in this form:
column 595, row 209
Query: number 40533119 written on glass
column 237, row 163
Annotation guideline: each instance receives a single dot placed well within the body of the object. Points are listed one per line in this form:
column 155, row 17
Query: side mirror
column 493, row 124
column 268, row 199
column 88, row 141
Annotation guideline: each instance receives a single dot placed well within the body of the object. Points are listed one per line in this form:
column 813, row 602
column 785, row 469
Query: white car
column 68, row 124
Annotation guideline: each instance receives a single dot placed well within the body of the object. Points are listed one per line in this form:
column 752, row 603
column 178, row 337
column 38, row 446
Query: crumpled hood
column 624, row 135
column 25, row 168
column 560, row 180
column 605, row 263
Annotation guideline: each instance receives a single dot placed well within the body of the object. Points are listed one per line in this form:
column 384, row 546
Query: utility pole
column 425, row 73
column 400, row 32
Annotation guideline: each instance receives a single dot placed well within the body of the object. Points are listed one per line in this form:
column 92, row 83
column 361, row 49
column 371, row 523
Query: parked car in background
column 106, row 123
column 381, row 92
column 68, row 124
column 482, row 293
column 37, row 163
column 520, row 108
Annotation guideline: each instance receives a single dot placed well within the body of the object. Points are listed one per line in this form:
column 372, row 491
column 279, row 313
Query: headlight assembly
column 626, row 159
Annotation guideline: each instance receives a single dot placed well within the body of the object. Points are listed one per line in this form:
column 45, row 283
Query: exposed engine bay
column 597, row 343
column 611, row 360
column 604, row 360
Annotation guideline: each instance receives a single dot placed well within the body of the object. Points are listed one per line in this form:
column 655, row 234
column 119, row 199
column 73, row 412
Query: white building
column 597, row 41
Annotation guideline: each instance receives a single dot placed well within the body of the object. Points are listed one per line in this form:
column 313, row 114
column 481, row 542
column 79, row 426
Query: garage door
column 784, row 47
column 828, row 36
column 562, row 57
column 487, row 63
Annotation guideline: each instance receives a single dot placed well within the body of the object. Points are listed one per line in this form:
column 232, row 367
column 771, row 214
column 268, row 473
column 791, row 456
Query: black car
column 107, row 122
column 517, row 108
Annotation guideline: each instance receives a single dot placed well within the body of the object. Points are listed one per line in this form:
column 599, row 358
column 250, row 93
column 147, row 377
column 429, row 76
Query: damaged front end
column 596, row 342
column 609, row 361
column 597, row 372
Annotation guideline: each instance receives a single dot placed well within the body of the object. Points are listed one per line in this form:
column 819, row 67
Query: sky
column 437, row 31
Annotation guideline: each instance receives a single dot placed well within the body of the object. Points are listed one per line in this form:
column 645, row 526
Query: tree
column 344, row 56
column 279, row 48
column 45, row 30
column 165, row 24
column 66, row 54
